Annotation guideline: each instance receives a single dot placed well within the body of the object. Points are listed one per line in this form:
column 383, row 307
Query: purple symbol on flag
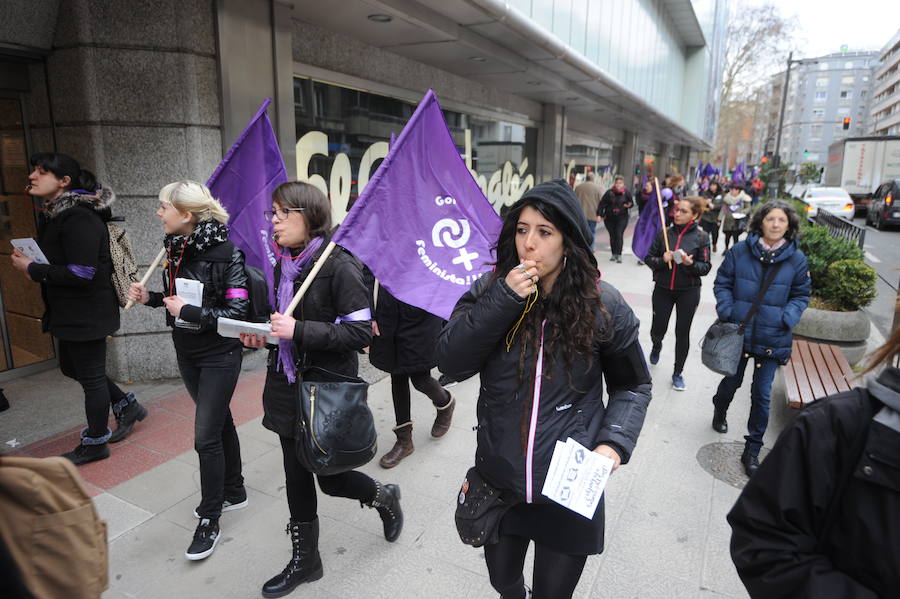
column 243, row 182
column 422, row 225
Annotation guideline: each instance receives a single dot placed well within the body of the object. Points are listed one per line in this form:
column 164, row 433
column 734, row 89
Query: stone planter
column 848, row 330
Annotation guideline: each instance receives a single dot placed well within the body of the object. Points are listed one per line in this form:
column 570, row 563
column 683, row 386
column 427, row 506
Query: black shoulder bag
column 335, row 427
column 723, row 344
column 479, row 508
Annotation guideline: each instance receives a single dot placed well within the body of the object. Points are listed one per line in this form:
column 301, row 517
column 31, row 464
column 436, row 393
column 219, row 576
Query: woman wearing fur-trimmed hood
column 81, row 306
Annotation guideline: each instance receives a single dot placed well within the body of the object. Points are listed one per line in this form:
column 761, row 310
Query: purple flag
column 243, row 182
column 422, row 225
column 647, row 228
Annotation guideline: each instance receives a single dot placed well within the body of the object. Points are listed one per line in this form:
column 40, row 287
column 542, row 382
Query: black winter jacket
column 220, row 268
column 82, row 306
column 615, row 205
column 695, row 242
column 778, row 522
column 407, row 337
column 321, row 338
column 473, row 342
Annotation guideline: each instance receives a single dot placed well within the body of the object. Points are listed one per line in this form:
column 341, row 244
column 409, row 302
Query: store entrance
column 23, row 347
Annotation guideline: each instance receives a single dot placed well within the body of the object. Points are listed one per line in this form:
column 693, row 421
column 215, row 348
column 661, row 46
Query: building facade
column 145, row 93
column 884, row 116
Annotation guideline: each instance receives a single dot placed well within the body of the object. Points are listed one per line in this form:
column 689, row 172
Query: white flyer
column 30, row 248
column 229, row 327
column 577, row 477
column 191, row 292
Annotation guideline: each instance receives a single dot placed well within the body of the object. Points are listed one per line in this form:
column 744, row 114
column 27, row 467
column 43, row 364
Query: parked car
column 833, row 199
column 884, row 209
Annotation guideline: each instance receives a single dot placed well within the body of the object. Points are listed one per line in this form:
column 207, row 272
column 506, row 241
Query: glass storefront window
column 343, row 135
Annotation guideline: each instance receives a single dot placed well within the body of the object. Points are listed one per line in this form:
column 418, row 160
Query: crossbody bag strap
column 762, row 292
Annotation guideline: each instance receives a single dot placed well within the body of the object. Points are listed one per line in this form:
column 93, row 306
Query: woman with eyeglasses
column 330, row 325
column 677, row 273
column 198, row 251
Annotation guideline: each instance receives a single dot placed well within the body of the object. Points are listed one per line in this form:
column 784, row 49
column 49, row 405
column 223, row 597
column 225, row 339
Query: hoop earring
column 564, row 260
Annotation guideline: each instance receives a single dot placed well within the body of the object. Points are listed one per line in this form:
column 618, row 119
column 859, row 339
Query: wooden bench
column 815, row 370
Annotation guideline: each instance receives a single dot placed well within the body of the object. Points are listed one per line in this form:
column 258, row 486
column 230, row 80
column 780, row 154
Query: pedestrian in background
column 81, row 308
column 197, row 249
column 326, row 331
column 712, row 216
column 821, row 518
column 770, row 250
column 677, row 273
column 736, row 206
column 589, row 194
column 613, row 212
column 543, row 333
column 644, row 195
column 403, row 343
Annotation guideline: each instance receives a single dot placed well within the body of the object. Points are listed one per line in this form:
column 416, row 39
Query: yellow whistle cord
column 529, row 304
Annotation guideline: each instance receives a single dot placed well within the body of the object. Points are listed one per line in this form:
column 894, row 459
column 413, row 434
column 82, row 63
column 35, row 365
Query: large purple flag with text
column 243, row 182
column 422, row 225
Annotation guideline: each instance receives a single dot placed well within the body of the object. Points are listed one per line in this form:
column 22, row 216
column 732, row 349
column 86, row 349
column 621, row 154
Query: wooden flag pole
column 146, row 277
column 312, row 275
column 662, row 216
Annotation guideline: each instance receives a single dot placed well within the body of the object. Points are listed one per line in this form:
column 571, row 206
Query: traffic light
column 805, row 153
column 764, row 159
column 846, row 123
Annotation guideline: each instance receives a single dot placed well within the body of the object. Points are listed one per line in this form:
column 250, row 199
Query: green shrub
column 850, row 285
column 823, row 250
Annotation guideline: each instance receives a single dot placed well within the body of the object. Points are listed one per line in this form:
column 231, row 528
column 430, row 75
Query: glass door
column 21, row 341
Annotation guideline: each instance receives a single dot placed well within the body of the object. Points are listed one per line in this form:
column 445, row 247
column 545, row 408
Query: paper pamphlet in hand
column 191, row 292
column 229, row 327
column 577, row 477
column 30, row 248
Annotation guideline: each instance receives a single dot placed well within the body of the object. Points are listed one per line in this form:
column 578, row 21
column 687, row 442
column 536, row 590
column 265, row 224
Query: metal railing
column 839, row 227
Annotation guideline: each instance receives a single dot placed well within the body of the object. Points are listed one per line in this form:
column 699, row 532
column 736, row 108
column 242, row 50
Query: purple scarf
column 290, row 270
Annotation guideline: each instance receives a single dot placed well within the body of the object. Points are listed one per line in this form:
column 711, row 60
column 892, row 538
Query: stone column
column 551, row 143
column 629, row 156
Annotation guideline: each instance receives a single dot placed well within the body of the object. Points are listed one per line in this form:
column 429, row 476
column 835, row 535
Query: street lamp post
column 774, row 185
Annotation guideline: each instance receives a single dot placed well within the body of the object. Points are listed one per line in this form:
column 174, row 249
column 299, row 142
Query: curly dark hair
column 793, row 218
column 571, row 307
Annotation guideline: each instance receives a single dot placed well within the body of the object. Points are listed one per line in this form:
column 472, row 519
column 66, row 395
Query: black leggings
column 712, row 228
column 85, row 361
column 731, row 235
column 555, row 574
column 424, row 383
column 685, row 302
column 616, row 226
column 301, row 490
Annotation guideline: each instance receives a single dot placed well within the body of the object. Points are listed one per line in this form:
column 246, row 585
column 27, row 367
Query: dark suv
column 885, row 206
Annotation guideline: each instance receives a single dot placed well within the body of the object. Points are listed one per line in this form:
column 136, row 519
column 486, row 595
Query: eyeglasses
column 684, row 211
column 281, row 213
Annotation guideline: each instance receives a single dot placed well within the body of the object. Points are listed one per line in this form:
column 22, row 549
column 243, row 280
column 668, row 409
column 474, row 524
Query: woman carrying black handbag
column 325, row 332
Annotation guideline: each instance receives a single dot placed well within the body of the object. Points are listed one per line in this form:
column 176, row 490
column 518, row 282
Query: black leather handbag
column 335, row 427
column 479, row 509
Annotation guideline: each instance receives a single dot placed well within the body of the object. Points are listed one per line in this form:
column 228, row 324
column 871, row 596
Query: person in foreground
column 543, row 332
column 81, row 307
column 821, row 518
column 325, row 331
column 770, row 250
column 198, row 250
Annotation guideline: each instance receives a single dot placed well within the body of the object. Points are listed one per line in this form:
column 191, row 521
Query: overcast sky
column 825, row 25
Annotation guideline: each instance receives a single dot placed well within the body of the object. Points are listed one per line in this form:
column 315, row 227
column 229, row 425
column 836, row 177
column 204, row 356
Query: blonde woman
column 197, row 247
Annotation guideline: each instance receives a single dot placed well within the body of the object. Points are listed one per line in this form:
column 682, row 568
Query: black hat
column 559, row 194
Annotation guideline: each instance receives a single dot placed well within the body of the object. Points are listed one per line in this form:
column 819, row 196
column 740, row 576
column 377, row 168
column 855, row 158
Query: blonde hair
column 191, row 196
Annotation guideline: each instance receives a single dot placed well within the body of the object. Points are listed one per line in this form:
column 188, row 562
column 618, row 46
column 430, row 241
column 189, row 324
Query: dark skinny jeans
column 210, row 376
column 685, row 302
column 85, row 361
column 616, row 226
column 301, row 488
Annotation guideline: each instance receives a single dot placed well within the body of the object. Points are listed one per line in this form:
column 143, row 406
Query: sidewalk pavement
column 666, row 531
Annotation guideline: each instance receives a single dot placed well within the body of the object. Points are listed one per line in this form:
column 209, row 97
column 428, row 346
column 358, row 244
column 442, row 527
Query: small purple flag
column 243, row 182
column 647, row 228
column 422, row 225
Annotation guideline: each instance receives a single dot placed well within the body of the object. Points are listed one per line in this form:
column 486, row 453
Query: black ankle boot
column 719, row 424
column 750, row 462
column 127, row 412
column 305, row 564
column 387, row 502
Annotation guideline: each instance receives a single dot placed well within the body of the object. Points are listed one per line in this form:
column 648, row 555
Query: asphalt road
column 883, row 254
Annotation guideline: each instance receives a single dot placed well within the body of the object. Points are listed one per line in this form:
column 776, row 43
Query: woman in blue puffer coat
column 771, row 244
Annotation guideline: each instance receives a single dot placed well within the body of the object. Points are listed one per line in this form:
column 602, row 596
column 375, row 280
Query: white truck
column 860, row 164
